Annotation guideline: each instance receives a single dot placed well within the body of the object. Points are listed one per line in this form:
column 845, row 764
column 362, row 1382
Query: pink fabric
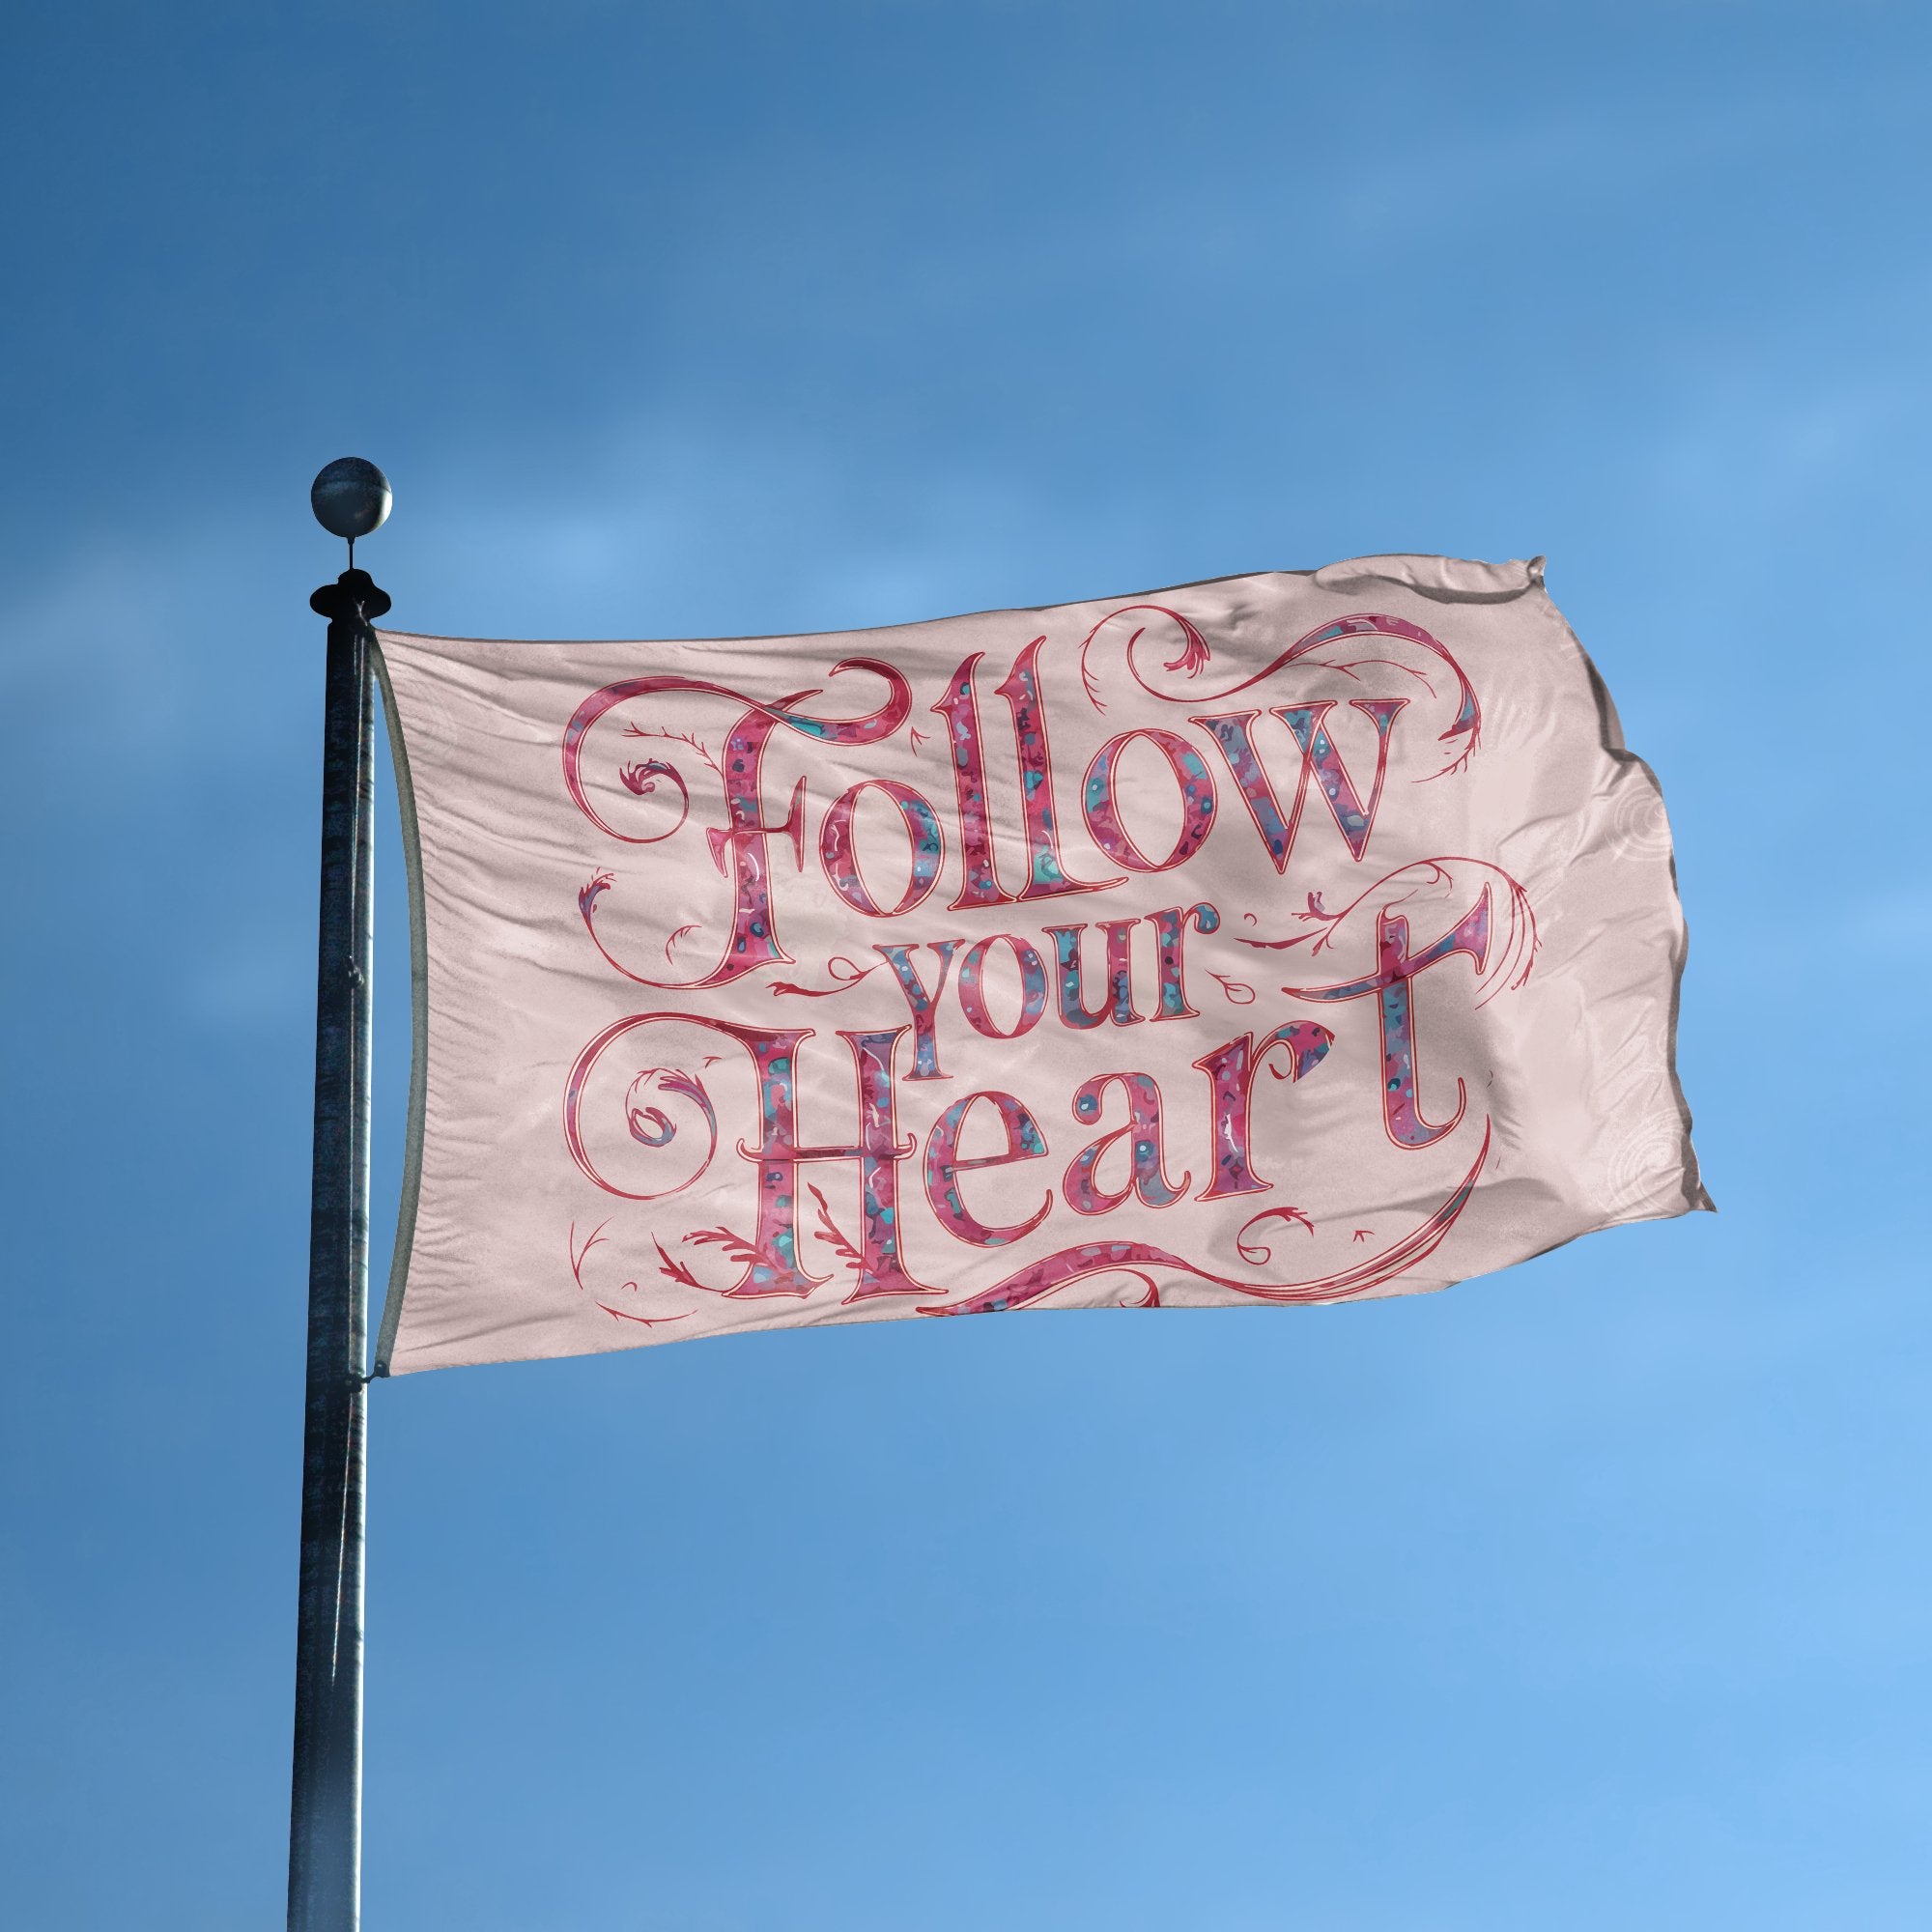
column 1293, row 938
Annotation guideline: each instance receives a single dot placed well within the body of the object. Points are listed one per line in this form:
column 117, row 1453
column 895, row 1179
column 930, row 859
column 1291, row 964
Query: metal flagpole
column 350, row 498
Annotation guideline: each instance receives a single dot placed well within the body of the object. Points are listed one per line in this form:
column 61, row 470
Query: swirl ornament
column 653, row 1102
column 618, row 1312
column 640, row 780
column 1331, row 647
column 1258, row 1254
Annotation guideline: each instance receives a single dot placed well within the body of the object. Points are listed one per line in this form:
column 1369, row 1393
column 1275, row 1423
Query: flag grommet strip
column 411, row 1187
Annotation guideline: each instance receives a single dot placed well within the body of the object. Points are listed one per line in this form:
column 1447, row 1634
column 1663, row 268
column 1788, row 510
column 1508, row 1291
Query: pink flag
column 1294, row 938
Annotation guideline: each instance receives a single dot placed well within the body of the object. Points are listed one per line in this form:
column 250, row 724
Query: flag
column 1296, row 938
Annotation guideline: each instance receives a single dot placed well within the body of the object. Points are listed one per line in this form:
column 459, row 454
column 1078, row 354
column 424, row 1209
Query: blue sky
column 1590, row 1595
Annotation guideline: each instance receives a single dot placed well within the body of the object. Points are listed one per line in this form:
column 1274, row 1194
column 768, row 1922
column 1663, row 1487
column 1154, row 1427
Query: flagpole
column 350, row 498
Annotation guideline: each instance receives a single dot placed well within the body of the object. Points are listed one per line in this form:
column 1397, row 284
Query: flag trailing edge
column 1290, row 938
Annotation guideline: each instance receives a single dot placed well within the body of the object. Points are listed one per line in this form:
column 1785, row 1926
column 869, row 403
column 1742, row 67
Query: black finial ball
column 349, row 498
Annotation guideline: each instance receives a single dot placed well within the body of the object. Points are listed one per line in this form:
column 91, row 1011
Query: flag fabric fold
column 1294, row 938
